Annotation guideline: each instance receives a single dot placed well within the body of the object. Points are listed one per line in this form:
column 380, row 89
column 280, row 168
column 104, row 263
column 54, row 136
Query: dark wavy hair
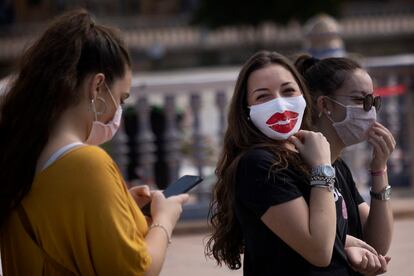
column 45, row 85
column 226, row 242
column 323, row 77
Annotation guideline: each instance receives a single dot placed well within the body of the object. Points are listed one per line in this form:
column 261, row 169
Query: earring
column 328, row 112
column 320, row 114
column 104, row 106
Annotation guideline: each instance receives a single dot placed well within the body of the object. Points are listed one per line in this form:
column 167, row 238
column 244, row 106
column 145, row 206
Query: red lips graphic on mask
column 283, row 122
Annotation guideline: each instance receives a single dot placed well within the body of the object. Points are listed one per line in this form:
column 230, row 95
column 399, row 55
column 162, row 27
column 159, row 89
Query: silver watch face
column 384, row 195
column 329, row 171
column 387, row 192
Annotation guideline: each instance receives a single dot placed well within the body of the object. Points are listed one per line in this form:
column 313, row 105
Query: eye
column 124, row 98
column 358, row 100
column 289, row 91
column 262, row 96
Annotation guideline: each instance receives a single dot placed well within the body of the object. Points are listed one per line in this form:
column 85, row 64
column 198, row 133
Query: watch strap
column 385, row 194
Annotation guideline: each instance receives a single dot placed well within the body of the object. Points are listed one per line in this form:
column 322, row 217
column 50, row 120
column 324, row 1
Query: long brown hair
column 46, row 84
column 226, row 241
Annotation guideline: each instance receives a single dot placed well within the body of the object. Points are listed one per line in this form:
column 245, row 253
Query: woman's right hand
column 351, row 241
column 313, row 147
column 167, row 211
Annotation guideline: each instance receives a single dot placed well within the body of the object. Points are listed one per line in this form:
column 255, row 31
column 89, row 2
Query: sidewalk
column 403, row 207
column 186, row 254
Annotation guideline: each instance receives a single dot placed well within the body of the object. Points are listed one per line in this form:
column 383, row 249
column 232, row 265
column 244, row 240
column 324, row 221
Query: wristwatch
column 324, row 170
column 323, row 176
column 383, row 195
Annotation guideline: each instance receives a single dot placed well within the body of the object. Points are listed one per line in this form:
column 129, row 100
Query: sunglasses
column 369, row 101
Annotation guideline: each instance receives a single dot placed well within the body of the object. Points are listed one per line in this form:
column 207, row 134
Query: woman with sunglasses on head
column 344, row 110
column 64, row 206
column 276, row 199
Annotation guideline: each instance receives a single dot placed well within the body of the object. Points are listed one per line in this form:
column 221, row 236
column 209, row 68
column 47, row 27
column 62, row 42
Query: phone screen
column 182, row 185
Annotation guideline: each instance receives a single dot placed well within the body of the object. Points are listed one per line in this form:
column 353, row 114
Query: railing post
column 391, row 108
column 171, row 139
column 198, row 149
column 221, row 102
column 145, row 142
column 393, row 115
column 118, row 150
column 409, row 103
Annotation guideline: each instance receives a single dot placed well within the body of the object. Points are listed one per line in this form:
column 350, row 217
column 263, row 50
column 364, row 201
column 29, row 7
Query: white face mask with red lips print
column 279, row 118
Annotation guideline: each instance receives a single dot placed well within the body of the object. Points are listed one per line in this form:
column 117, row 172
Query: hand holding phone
column 182, row 185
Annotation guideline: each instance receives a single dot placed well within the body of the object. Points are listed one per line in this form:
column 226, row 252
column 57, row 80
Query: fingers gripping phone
column 182, row 185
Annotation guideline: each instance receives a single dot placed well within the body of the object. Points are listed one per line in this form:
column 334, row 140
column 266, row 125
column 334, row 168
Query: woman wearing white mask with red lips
column 345, row 112
column 276, row 199
column 65, row 208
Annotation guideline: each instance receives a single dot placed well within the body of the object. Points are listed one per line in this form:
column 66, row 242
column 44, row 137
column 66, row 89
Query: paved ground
column 186, row 258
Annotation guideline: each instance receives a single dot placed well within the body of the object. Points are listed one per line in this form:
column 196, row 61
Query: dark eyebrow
column 287, row 83
column 260, row 89
column 364, row 93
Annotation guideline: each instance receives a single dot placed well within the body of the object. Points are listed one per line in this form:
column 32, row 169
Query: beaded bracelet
column 163, row 228
column 378, row 173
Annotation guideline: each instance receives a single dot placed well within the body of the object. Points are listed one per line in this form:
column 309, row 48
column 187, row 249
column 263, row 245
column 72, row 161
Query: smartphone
column 182, row 185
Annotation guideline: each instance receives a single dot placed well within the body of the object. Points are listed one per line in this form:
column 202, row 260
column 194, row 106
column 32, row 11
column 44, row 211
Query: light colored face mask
column 100, row 132
column 279, row 118
column 353, row 129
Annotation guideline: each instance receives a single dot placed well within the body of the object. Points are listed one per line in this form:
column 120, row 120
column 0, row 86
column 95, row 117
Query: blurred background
column 186, row 57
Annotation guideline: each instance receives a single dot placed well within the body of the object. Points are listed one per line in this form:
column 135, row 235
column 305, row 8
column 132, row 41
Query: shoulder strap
column 29, row 231
column 55, row 156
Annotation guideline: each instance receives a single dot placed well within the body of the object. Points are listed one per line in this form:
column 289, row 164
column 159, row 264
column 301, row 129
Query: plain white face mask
column 353, row 129
column 279, row 118
column 100, row 132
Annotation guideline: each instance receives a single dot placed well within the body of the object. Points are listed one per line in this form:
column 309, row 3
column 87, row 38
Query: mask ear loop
column 110, row 94
column 327, row 112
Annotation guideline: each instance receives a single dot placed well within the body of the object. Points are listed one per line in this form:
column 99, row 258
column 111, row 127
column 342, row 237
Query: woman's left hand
column 366, row 262
column 141, row 194
column 384, row 144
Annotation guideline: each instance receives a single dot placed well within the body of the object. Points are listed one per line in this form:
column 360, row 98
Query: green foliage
column 216, row 13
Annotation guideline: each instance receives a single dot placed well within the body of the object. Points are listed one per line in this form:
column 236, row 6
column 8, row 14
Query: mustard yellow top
column 83, row 217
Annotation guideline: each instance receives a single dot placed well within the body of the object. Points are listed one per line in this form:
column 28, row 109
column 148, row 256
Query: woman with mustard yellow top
column 64, row 206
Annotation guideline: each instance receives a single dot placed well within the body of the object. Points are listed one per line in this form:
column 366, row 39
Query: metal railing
column 202, row 98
